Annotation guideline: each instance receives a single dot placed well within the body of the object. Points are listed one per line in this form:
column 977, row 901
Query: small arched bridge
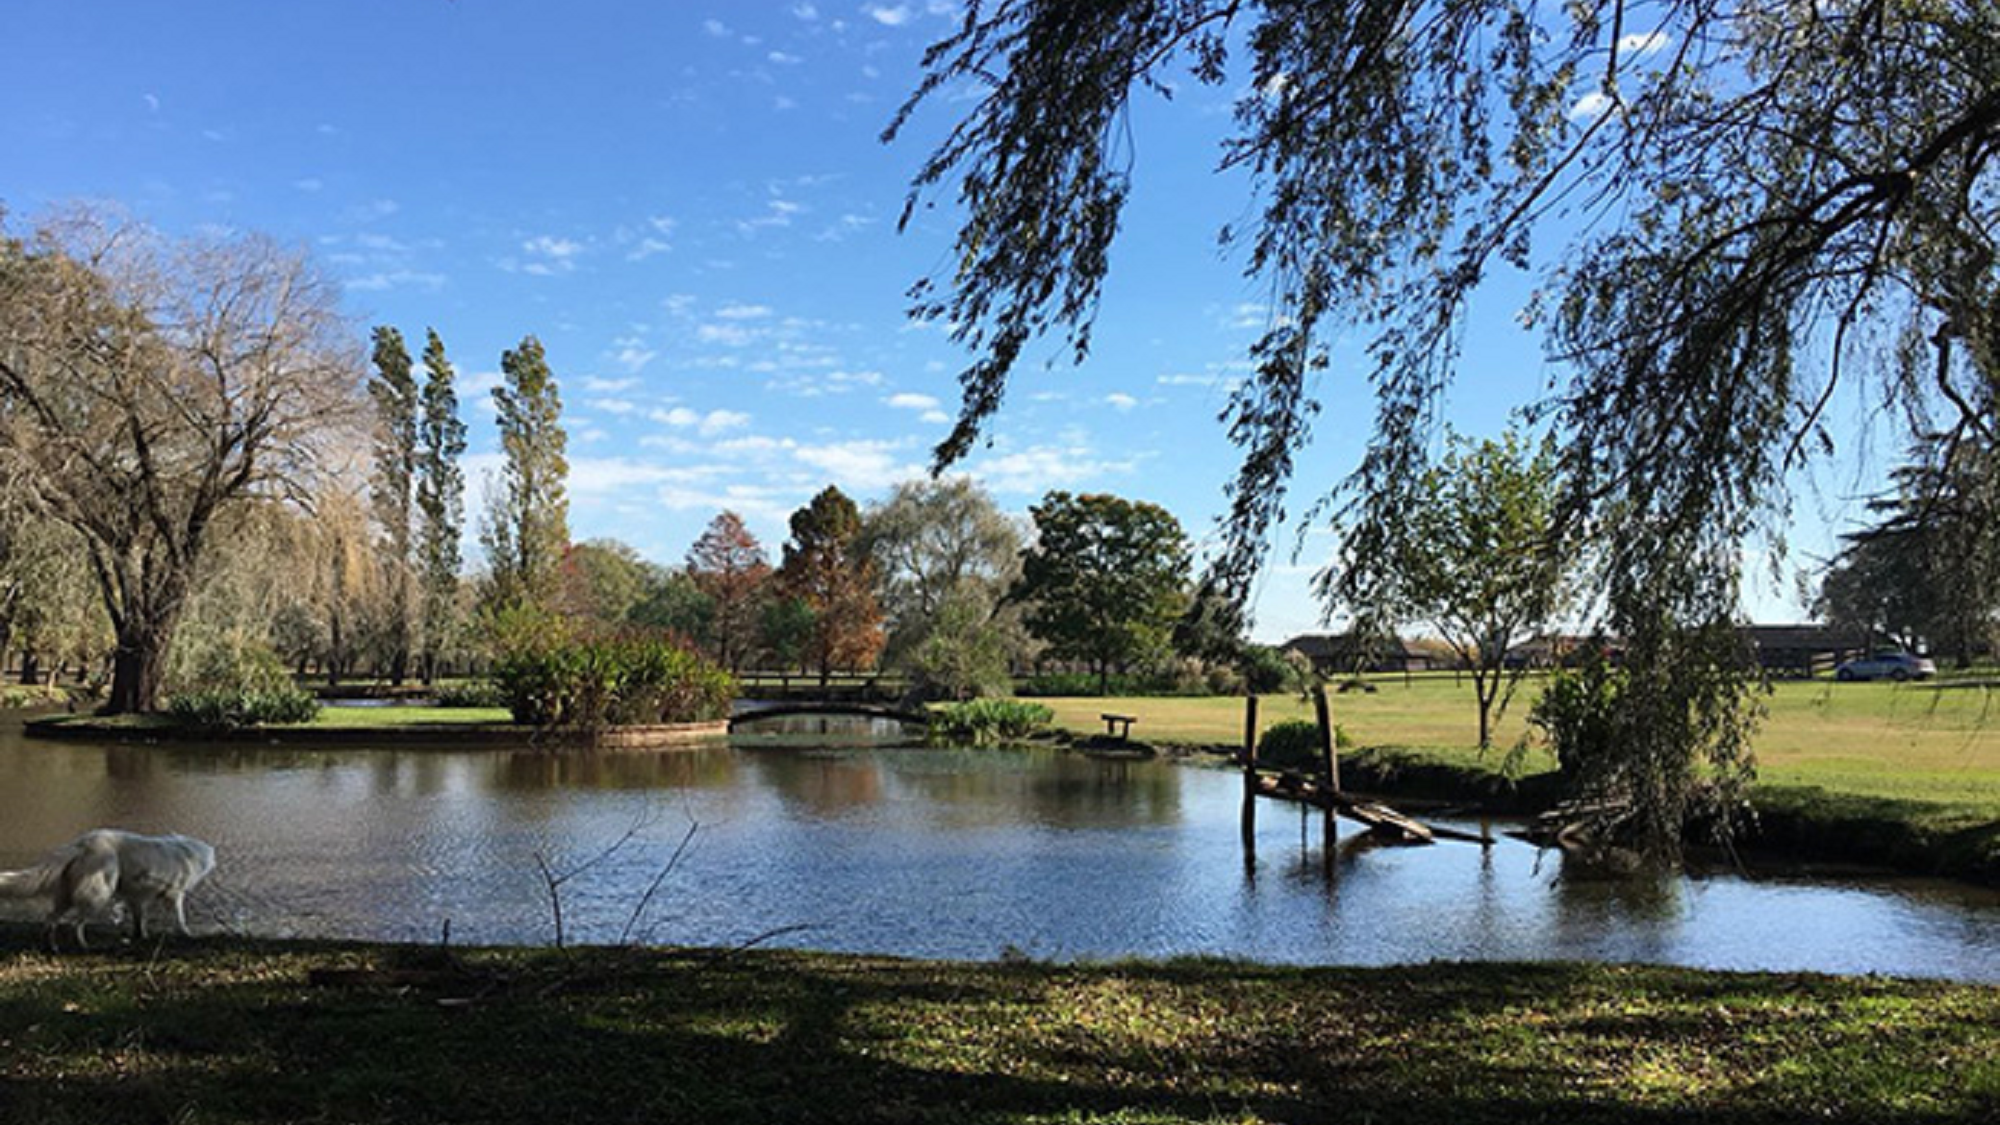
column 752, row 712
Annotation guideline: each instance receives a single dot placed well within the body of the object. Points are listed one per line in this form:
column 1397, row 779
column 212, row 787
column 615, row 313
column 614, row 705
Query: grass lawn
column 376, row 718
column 1919, row 762
column 228, row 1031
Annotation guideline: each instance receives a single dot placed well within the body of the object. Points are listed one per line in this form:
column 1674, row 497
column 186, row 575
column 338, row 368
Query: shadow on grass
column 233, row 1031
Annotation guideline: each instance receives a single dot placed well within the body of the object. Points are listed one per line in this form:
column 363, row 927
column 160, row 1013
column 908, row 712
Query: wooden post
column 1249, row 777
column 1329, row 757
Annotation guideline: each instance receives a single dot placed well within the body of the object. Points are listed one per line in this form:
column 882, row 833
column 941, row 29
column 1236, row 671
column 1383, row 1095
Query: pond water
column 802, row 840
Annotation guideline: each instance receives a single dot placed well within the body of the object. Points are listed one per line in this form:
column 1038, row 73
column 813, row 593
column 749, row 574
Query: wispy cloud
column 888, row 16
column 549, row 254
column 1120, row 401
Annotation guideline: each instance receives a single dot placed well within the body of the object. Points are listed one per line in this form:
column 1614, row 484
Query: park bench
column 1118, row 726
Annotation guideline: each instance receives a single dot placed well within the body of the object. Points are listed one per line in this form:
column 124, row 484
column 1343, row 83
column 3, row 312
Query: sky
column 691, row 206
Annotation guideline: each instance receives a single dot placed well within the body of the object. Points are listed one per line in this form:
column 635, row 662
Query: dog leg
column 180, row 912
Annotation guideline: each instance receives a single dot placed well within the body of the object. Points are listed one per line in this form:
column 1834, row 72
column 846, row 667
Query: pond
column 815, row 841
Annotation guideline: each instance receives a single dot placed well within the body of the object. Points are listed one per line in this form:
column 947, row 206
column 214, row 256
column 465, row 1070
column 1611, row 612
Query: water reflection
column 956, row 853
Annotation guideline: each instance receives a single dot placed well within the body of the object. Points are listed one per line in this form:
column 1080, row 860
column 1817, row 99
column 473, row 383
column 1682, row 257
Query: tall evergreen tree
column 440, row 498
column 394, row 391
column 527, row 518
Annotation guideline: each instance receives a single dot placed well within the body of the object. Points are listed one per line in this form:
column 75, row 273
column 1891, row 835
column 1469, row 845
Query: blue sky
column 690, row 206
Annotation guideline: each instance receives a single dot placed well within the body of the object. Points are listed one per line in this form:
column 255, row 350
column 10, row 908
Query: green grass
column 383, row 718
column 222, row 1031
column 1900, row 773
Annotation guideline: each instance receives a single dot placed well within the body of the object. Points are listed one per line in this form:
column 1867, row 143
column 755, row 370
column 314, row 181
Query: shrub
column 1579, row 714
column 981, row 722
column 233, row 708
column 229, row 682
column 592, row 683
column 469, row 693
column 1294, row 745
column 1265, row 670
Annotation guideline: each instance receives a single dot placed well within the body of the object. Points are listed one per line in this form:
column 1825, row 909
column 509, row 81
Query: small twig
column 652, row 888
column 553, row 883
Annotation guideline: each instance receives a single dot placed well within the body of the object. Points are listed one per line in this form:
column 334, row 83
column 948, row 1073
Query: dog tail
column 39, row 879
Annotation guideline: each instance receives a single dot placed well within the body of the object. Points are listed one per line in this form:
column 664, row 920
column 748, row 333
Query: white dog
column 100, row 869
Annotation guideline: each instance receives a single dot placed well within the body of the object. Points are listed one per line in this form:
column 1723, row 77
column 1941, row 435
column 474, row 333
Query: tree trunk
column 137, row 666
column 31, row 668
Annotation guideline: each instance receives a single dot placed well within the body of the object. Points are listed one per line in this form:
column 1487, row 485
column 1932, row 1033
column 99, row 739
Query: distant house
column 1803, row 650
column 1335, row 654
column 1554, row 650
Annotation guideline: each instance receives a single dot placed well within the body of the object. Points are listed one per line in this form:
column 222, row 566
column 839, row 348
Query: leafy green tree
column 1773, row 192
column 824, row 567
column 440, row 500
column 1478, row 559
column 1928, row 568
column 602, row 581
column 394, row 391
column 940, row 546
column 148, row 387
column 675, row 602
column 787, row 626
column 1105, row 581
column 527, row 519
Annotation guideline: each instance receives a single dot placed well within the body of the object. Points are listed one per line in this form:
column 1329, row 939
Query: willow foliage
column 1771, row 195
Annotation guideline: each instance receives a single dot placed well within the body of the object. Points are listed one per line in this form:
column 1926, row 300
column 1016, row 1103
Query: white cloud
column 909, row 401
column 397, row 279
column 805, row 11
column 743, row 312
column 1120, row 401
column 632, row 354
column 1645, row 45
column 888, row 16
column 599, row 385
column 716, row 28
column 777, row 213
column 1589, row 107
column 309, row 183
column 783, row 58
column 591, row 475
column 861, row 466
column 708, row 425
column 617, row 406
column 1038, row 469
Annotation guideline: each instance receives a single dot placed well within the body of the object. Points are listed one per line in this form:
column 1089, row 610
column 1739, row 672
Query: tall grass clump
column 983, row 722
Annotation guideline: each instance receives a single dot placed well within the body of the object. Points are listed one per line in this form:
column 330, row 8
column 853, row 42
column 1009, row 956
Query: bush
column 229, row 682
column 1265, row 670
column 981, row 722
column 233, row 708
column 592, row 683
column 1294, row 745
column 469, row 693
column 1579, row 714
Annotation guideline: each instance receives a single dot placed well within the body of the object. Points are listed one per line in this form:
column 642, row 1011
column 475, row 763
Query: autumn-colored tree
column 729, row 566
column 824, row 569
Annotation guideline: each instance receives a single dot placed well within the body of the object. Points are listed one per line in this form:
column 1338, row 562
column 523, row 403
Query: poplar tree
column 527, row 517
column 394, row 391
column 440, row 499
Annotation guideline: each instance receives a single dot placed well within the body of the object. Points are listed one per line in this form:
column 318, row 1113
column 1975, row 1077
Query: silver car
column 1897, row 666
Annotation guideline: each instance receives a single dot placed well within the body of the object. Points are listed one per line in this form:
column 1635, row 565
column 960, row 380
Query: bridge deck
column 828, row 707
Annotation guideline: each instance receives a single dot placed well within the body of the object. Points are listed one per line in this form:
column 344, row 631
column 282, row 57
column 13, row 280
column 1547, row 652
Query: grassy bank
column 232, row 1032
column 1900, row 774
